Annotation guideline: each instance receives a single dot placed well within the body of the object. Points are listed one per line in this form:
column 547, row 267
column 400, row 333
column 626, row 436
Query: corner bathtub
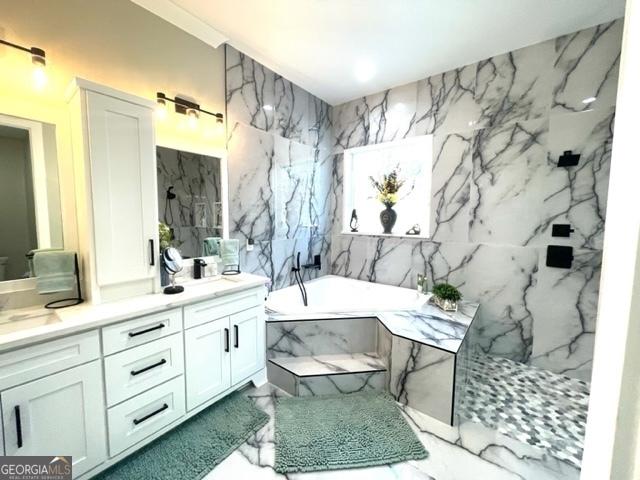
column 334, row 294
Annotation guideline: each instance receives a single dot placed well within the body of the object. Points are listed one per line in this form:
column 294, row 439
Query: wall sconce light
column 184, row 107
column 192, row 118
column 161, row 107
column 38, row 59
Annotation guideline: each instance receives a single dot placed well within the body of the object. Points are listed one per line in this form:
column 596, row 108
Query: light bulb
column 161, row 109
column 192, row 118
column 39, row 77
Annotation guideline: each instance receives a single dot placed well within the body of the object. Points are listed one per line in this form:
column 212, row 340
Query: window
column 413, row 157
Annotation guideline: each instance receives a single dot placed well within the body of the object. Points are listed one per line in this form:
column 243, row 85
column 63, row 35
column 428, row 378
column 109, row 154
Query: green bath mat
column 342, row 431
column 191, row 450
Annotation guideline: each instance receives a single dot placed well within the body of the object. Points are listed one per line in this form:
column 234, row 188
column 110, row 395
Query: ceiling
column 343, row 49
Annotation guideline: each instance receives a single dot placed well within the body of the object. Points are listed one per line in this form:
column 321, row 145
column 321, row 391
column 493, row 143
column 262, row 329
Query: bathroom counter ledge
column 19, row 328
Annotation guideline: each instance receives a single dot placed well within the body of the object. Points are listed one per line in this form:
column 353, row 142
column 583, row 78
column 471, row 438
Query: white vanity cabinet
column 61, row 414
column 248, row 332
column 208, row 361
column 53, row 400
column 115, row 162
column 226, row 345
column 102, row 394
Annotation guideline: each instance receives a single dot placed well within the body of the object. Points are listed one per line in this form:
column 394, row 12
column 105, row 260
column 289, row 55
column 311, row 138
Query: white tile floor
column 469, row 451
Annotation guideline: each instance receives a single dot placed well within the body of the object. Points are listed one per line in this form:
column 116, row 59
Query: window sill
column 383, row 235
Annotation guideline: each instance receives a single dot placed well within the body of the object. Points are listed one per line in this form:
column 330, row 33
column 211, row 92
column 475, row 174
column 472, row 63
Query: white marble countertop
column 22, row 327
column 427, row 324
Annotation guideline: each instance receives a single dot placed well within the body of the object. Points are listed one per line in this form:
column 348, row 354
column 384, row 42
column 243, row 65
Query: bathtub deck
column 426, row 324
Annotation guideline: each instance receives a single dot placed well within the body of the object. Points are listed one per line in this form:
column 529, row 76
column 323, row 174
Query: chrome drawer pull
column 145, row 369
column 137, row 421
column 142, row 332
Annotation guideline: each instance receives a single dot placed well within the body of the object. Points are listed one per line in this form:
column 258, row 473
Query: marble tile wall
column 280, row 170
column 499, row 126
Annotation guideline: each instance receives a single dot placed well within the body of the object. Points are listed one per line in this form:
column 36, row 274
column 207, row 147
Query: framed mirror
column 191, row 192
column 30, row 212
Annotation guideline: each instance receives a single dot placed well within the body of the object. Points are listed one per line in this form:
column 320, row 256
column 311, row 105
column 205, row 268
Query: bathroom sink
column 23, row 319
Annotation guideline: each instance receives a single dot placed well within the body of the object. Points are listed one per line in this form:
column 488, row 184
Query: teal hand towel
column 211, row 246
column 55, row 271
column 32, row 254
column 229, row 251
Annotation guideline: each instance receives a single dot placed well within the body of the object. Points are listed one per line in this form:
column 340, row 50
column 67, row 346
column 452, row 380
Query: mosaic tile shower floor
column 537, row 407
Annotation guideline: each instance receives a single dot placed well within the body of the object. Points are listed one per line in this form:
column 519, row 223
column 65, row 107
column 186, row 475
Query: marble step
column 331, row 364
column 328, row 374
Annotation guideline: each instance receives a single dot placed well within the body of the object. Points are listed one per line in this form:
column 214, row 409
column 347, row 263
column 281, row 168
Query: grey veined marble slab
column 428, row 324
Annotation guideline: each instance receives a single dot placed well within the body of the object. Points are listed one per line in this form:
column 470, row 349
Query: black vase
column 388, row 219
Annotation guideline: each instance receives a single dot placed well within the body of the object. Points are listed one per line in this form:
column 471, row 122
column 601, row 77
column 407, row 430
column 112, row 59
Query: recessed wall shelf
column 384, row 235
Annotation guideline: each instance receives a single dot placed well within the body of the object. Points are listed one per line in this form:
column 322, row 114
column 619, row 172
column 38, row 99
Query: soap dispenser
column 199, row 268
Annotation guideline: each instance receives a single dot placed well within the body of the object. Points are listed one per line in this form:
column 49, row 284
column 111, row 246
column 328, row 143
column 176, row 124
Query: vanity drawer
column 29, row 363
column 138, row 369
column 204, row 312
column 132, row 333
column 137, row 418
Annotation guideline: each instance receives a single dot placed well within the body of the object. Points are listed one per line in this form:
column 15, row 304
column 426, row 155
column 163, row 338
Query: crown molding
column 181, row 18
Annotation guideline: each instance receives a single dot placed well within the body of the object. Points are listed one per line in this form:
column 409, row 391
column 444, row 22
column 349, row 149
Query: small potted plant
column 446, row 297
column 388, row 188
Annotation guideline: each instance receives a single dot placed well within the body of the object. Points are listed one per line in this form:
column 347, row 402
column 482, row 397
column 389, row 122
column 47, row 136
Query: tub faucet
column 298, row 277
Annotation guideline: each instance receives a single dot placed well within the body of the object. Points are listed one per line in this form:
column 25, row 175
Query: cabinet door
column 208, row 361
column 248, row 347
column 62, row 414
column 123, row 181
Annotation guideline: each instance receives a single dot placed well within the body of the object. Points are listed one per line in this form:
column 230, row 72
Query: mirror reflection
column 29, row 195
column 190, row 200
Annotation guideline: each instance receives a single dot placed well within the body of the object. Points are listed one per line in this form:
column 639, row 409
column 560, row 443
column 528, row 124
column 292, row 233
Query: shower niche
column 190, row 198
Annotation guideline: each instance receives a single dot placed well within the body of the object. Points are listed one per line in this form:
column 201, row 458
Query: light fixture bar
column 34, row 51
column 182, row 106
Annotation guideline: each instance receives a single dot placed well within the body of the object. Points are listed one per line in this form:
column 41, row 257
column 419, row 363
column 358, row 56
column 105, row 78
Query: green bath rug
column 191, row 450
column 342, row 431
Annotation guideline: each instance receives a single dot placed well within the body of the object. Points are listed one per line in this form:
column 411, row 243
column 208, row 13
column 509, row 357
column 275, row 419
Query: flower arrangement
column 388, row 187
column 164, row 232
